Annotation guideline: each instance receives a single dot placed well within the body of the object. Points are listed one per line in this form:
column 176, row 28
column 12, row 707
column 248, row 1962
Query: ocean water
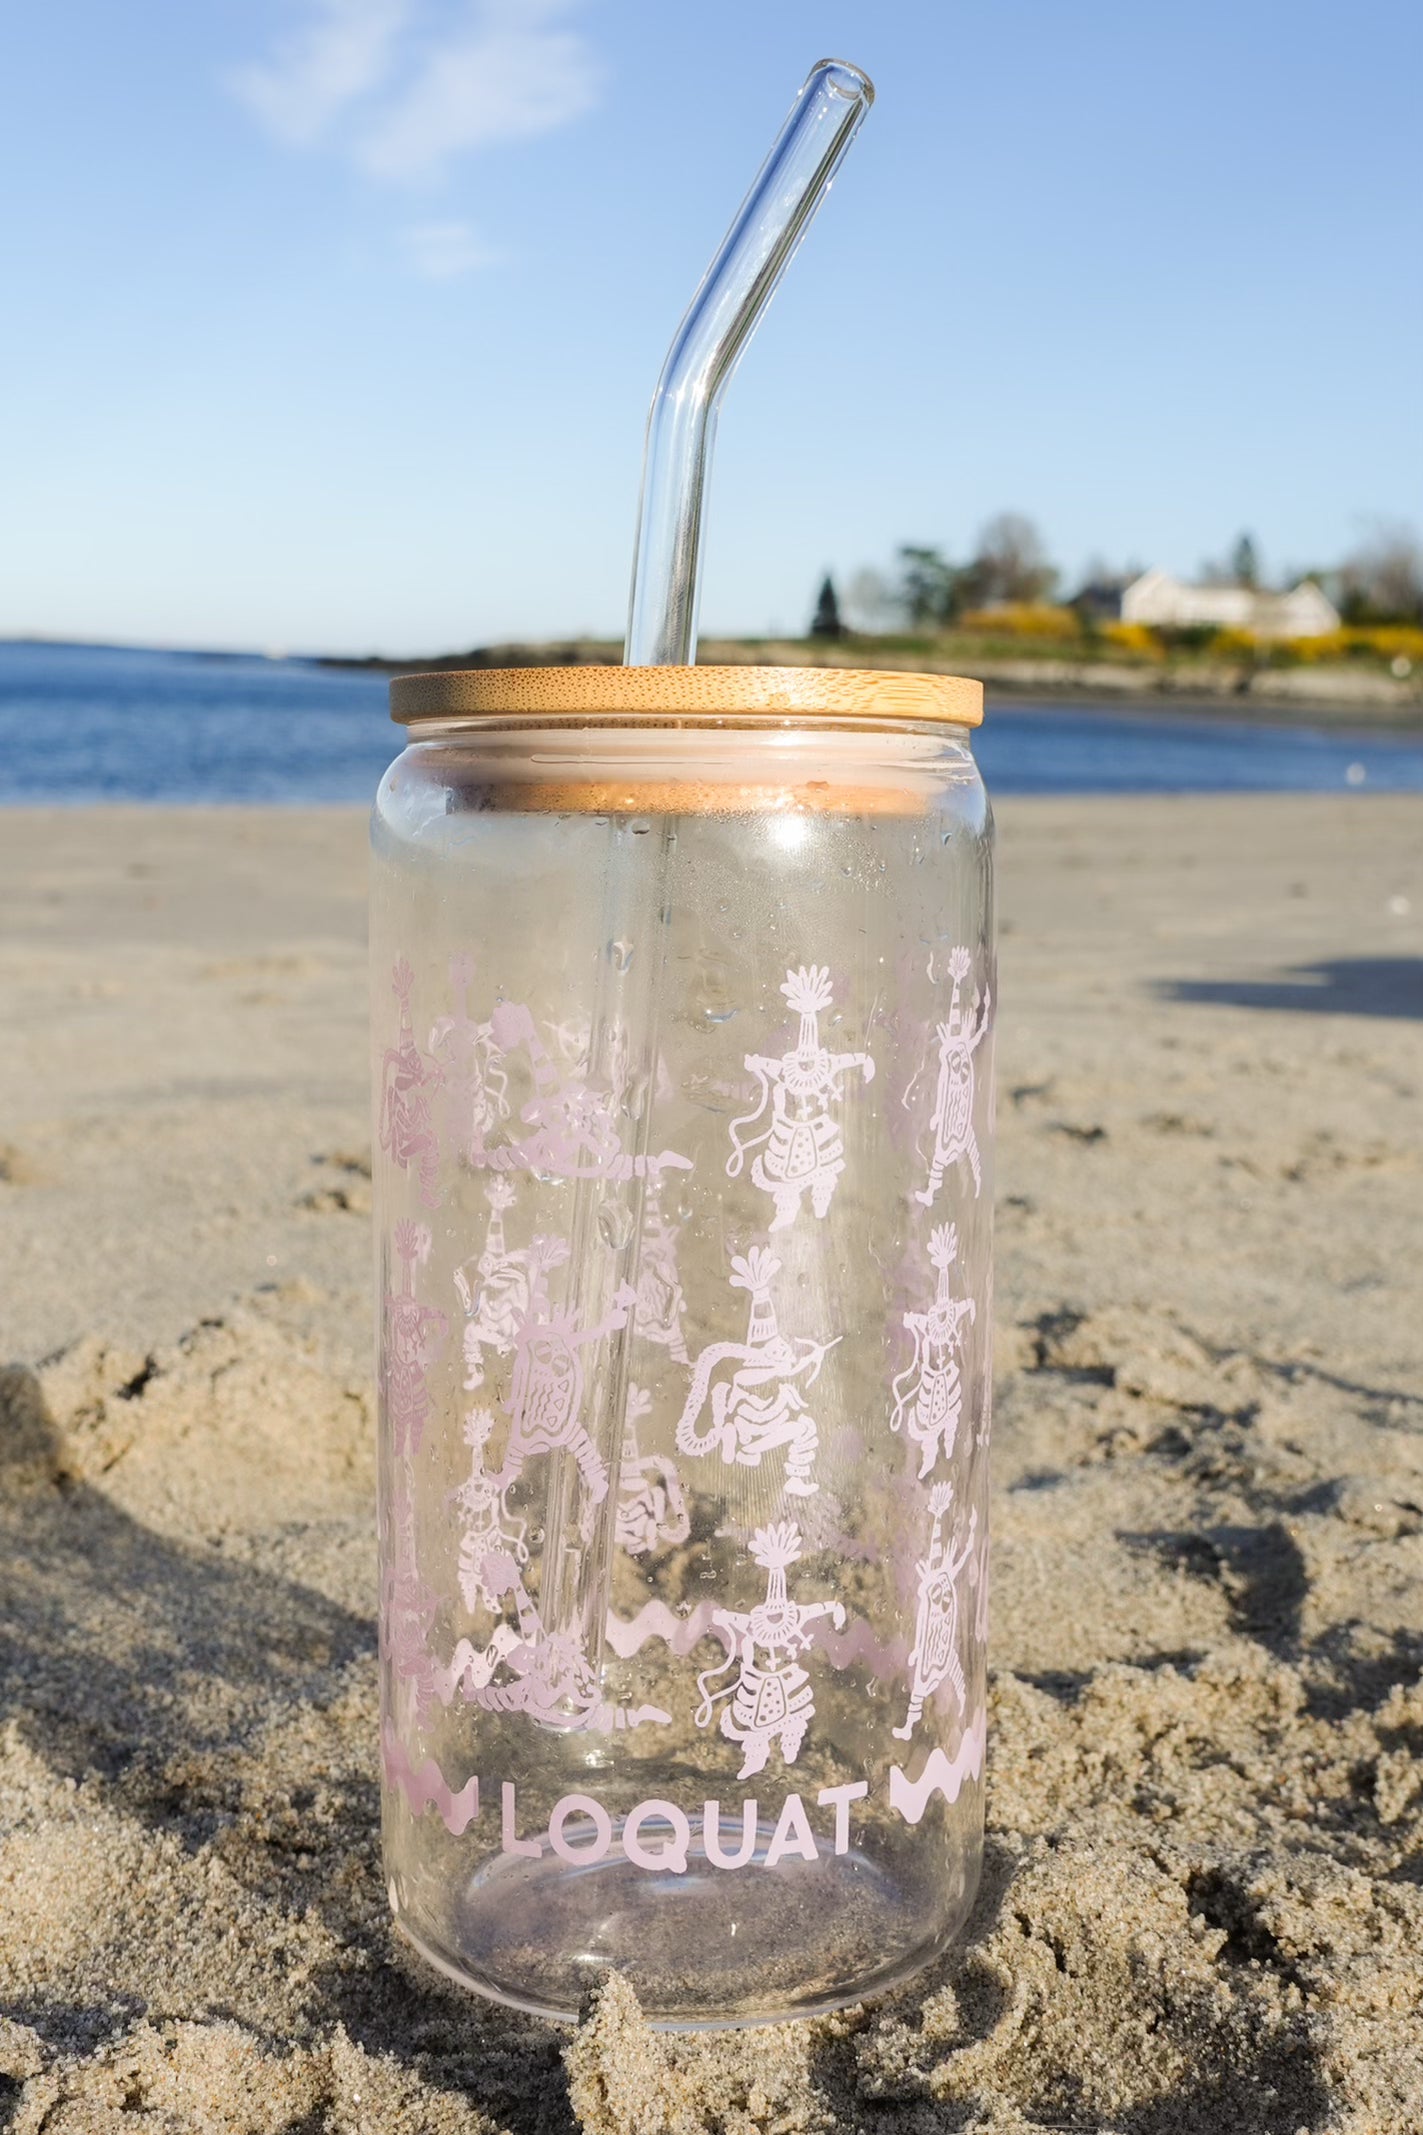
column 85, row 723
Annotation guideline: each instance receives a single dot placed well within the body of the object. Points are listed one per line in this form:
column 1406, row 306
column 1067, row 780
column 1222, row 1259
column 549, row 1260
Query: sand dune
column 1203, row 1909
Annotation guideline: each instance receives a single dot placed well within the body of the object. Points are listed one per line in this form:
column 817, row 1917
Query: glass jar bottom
column 702, row 1948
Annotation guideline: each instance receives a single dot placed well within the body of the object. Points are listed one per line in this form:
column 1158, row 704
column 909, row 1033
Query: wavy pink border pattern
column 654, row 1619
column 627, row 1636
column 427, row 1787
column 911, row 1796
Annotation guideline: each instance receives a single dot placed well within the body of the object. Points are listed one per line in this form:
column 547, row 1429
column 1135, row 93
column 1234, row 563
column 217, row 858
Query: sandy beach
column 1202, row 1912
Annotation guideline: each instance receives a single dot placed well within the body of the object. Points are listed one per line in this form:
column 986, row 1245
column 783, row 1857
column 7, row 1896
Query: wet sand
column 1203, row 1906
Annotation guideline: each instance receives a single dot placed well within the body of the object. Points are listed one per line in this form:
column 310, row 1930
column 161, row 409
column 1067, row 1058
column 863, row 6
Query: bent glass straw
column 577, row 1553
column 722, row 316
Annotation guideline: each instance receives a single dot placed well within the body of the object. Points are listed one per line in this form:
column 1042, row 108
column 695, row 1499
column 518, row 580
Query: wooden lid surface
column 684, row 694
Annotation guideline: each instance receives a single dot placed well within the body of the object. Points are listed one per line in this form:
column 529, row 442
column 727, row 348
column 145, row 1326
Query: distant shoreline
column 1334, row 697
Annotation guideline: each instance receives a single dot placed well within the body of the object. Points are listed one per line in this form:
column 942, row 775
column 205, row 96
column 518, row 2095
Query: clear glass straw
column 577, row 1553
column 723, row 315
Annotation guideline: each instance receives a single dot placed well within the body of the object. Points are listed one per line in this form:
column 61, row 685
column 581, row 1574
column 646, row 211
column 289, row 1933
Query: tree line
column 1380, row 581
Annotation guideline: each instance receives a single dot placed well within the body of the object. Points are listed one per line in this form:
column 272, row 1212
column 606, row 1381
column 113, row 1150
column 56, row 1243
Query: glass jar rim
column 683, row 695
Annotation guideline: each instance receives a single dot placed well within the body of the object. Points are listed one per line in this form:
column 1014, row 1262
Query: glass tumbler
column 683, row 992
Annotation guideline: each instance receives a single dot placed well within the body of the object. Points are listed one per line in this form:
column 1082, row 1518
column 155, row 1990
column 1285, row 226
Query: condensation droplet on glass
column 619, row 955
column 640, row 826
column 615, row 1224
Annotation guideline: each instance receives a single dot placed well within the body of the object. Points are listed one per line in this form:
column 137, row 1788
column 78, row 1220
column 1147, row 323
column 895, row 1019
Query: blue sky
column 333, row 323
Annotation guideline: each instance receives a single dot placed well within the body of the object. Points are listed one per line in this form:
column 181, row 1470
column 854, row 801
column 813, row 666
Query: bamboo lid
column 684, row 695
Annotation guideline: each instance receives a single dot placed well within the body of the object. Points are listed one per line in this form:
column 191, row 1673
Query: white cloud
column 344, row 50
column 443, row 251
column 508, row 73
column 417, row 82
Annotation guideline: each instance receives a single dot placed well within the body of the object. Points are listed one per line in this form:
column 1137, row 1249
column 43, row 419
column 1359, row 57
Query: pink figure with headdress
column 485, row 1542
column 408, row 1607
column 414, row 1334
column 531, row 1670
column 955, row 1135
column 746, row 1423
column 659, row 1284
column 408, row 1083
column 805, row 1151
column 771, row 1697
column 546, row 1394
column 651, row 1507
column 498, row 1296
column 934, row 1658
column 574, row 1132
column 475, row 1084
column 928, row 1393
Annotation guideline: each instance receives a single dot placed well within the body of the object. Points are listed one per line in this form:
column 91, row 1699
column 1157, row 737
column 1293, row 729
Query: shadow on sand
column 161, row 1676
column 1340, row 986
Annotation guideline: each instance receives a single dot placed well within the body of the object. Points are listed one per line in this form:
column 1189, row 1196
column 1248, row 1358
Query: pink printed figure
column 659, row 1284
column 408, row 1607
column 934, row 1657
column 804, row 1152
column 546, row 1395
column 928, row 1393
column 414, row 1335
column 485, row 1542
column 541, row 1673
column 574, row 1131
column 771, row 1696
column 952, row 1119
column 746, row 1424
column 475, row 1084
column 408, row 1083
column 651, row 1507
column 498, row 1297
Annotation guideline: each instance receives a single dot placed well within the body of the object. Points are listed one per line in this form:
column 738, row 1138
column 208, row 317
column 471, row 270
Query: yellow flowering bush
column 1023, row 619
column 1133, row 637
column 1382, row 641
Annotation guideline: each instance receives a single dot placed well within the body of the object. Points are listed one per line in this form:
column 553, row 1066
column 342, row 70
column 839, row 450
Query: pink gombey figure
column 771, row 1697
column 485, row 1541
column 408, row 1608
column 574, row 1132
column 651, row 1507
column 498, row 1296
column 408, row 1084
column 659, row 1284
column 414, row 1335
column 934, row 1657
column 928, row 1393
column 541, row 1673
column 546, row 1393
column 747, row 1424
column 475, row 1083
column 805, row 1151
column 955, row 1135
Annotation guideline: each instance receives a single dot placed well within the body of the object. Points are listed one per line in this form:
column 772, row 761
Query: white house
column 1157, row 597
